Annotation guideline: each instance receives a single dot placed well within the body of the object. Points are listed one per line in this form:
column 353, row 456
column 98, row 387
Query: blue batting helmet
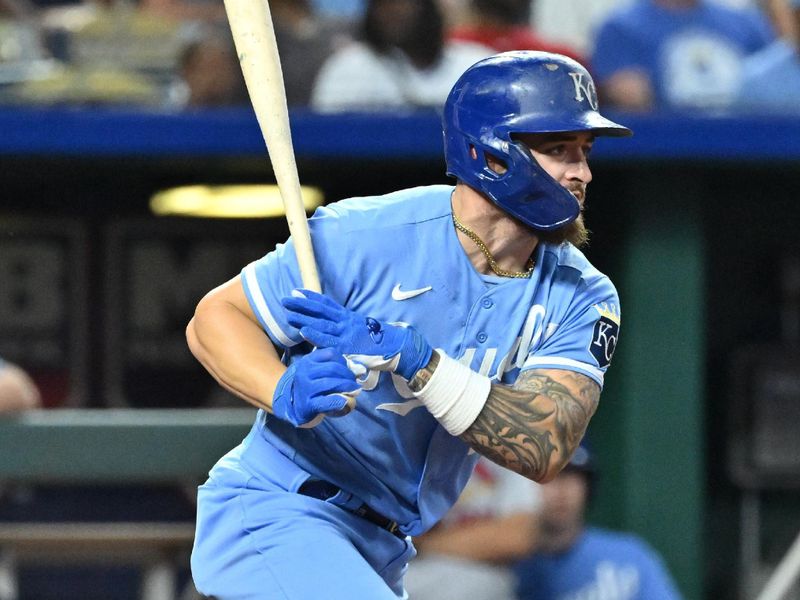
column 520, row 92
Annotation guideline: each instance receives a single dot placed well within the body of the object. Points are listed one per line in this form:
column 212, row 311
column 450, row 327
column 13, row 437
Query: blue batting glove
column 317, row 385
column 384, row 347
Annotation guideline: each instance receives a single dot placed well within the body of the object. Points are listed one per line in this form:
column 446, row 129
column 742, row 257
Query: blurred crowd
column 508, row 538
column 356, row 55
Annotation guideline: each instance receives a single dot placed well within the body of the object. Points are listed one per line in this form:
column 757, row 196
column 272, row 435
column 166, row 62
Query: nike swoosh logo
column 398, row 294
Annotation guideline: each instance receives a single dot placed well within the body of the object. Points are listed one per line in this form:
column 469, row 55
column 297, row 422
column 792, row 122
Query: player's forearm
column 497, row 540
column 236, row 351
column 533, row 427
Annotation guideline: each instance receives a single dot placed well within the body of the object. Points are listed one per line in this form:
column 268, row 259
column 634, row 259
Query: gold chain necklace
column 489, row 258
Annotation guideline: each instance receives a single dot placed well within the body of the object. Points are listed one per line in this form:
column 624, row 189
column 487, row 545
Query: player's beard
column 575, row 232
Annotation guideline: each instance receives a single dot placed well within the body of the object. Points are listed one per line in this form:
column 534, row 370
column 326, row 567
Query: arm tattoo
column 423, row 376
column 540, row 419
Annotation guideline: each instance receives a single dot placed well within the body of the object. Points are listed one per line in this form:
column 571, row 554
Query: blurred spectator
column 17, row 390
column 675, row 54
column 16, row 8
column 305, row 40
column 778, row 12
column 781, row 13
column 23, row 54
column 455, row 13
column 205, row 11
column 340, row 9
column 112, row 53
column 572, row 22
column 575, row 22
column 505, row 25
column 401, row 60
column 123, row 37
column 209, row 71
column 573, row 561
column 468, row 555
column 20, row 10
column 771, row 77
column 210, row 75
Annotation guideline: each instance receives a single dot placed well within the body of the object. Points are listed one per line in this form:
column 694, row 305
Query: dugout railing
column 110, row 446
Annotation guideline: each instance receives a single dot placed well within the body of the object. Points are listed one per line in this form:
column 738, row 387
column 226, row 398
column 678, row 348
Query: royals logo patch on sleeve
column 605, row 334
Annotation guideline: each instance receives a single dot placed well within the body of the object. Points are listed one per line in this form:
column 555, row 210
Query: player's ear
column 495, row 164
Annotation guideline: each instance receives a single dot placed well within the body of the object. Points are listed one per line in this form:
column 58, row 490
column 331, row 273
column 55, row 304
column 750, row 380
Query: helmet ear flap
column 513, row 179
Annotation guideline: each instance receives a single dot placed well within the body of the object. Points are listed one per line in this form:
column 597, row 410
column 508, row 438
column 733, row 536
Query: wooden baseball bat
column 254, row 37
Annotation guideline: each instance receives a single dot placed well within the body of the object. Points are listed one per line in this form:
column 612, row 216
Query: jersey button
column 487, row 303
column 482, row 337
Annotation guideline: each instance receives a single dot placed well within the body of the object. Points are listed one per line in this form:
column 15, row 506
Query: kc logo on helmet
column 584, row 89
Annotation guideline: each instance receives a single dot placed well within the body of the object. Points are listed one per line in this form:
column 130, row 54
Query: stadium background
column 694, row 220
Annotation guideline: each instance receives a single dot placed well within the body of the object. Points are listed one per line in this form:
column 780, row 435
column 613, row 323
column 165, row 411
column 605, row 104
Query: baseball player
column 458, row 320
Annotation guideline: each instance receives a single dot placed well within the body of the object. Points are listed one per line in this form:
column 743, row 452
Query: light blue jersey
column 397, row 258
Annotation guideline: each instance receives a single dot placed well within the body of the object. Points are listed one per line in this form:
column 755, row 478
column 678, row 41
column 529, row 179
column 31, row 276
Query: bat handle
column 298, row 226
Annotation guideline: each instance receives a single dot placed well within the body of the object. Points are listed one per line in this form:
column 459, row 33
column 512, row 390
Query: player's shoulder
column 374, row 213
column 568, row 264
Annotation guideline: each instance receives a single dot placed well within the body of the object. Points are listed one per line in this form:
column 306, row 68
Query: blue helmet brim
column 588, row 121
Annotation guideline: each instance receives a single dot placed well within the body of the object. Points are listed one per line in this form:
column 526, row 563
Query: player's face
column 564, row 501
column 565, row 157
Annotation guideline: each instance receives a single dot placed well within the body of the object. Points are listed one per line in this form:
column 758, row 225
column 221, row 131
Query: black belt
column 324, row 490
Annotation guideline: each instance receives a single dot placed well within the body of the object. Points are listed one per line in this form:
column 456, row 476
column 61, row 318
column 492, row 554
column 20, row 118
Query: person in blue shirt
column 771, row 77
column 675, row 54
column 573, row 561
column 456, row 321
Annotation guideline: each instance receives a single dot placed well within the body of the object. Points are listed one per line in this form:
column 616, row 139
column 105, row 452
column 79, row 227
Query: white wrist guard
column 455, row 394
